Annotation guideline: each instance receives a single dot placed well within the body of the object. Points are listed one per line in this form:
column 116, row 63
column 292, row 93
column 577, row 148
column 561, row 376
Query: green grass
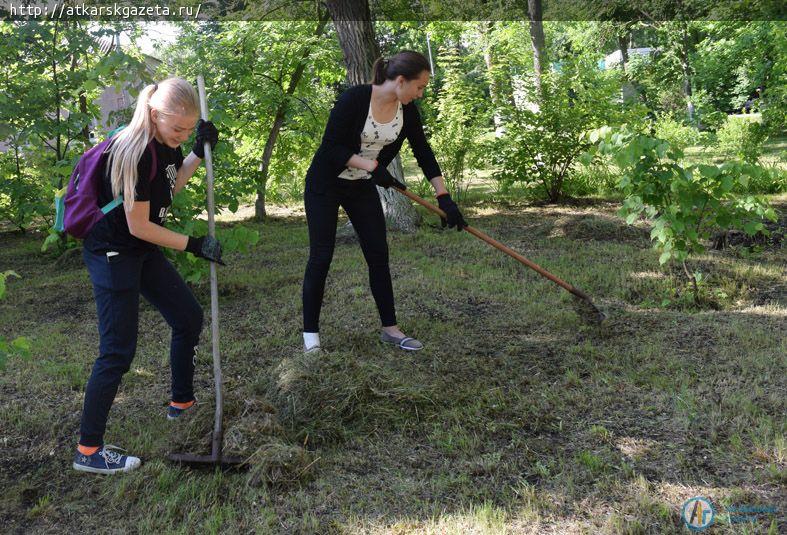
column 515, row 418
column 774, row 153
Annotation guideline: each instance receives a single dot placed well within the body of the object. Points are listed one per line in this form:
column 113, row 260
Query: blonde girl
column 146, row 166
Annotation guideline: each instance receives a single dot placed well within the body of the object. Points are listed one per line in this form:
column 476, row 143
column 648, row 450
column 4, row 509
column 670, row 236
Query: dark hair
column 407, row 63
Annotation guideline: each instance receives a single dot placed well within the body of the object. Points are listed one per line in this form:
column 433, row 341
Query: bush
column 767, row 180
column 190, row 203
column 539, row 148
column 677, row 134
column 742, row 137
column 26, row 191
column 687, row 204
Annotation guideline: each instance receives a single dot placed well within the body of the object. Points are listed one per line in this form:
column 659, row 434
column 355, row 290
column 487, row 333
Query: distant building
column 614, row 59
column 112, row 99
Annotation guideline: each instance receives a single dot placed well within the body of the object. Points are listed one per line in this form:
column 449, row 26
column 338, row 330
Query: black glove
column 384, row 179
column 206, row 131
column 454, row 216
column 206, row 247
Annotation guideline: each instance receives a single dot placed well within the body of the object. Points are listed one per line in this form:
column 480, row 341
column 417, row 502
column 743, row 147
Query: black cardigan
column 342, row 139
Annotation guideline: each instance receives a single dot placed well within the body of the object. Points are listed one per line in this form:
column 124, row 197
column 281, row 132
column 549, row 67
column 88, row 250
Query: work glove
column 384, row 179
column 453, row 215
column 206, row 131
column 206, row 247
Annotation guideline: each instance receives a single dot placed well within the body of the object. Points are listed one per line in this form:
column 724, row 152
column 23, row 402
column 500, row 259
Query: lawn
column 515, row 418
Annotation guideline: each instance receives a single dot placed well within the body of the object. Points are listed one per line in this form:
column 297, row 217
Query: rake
column 583, row 305
column 216, row 457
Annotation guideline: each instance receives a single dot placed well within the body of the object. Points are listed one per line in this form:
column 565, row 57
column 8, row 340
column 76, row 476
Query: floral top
column 374, row 137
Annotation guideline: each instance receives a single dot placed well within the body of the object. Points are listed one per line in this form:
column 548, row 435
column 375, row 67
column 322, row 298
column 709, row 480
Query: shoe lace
column 110, row 456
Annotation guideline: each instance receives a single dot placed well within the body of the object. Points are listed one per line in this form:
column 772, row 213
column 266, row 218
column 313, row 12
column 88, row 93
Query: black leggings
column 360, row 200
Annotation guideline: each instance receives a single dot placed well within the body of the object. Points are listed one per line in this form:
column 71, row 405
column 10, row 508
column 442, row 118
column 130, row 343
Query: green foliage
column 247, row 68
column 732, row 60
column 3, row 276
column 233, row 239
column 22, row 198
column 774, row 108
column 742, row 137
column 767, row 179
column 677, row 134
column 18, row 346
column 462, row 118
column 54, row 74
column 539, row 148
column 686, row 204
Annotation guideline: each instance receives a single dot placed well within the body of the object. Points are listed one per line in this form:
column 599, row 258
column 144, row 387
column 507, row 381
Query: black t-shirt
column 111, row 232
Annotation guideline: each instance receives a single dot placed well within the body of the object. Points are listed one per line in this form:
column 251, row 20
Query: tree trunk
column 82, row 100
column 623, row 45
column 537, row 39
column 684, row 48
column 278, row 122
column 57, row 103
column 353, row 24
column 497, row 89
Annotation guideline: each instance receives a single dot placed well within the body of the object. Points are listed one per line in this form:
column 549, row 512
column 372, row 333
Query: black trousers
column 118, row 282
column 360, row 200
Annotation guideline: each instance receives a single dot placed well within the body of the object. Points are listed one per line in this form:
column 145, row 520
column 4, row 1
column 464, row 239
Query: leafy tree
column 461, row 121
column 774, row 107
column 52, row 73
column 270, row 121
column 734, row 60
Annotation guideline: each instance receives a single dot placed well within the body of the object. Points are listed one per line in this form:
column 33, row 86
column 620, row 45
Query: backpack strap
column 117, row 201
column 111, row 205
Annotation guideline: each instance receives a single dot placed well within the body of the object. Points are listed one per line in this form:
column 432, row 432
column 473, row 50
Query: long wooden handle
column 499, row 246
column 218, row 429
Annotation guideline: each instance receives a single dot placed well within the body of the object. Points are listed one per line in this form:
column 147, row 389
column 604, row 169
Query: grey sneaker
column 407, row 343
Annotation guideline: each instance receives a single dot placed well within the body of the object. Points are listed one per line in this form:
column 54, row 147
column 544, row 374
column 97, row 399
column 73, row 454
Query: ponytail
column 379, row 71
column 127, row 148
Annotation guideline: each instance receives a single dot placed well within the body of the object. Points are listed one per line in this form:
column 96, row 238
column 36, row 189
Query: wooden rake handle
column 499, row 246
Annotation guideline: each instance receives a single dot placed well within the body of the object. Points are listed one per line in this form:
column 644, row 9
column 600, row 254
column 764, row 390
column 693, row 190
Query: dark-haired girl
column 365, row 131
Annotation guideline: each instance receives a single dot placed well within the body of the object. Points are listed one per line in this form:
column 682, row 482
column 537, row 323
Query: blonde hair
column 173, row 96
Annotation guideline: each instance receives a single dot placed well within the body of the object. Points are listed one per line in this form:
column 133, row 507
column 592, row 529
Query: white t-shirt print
column 374, row 137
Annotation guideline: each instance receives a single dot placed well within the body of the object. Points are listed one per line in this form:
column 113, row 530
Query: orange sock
column 181, row 406
column 87, row 450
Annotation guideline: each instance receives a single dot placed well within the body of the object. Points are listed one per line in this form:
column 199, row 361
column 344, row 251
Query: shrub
column 678, row 135
column 742, row 137
column 539, row 148
column 687, row 204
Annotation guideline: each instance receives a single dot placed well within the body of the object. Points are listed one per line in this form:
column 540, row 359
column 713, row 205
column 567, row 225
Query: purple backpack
column 78, row 211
